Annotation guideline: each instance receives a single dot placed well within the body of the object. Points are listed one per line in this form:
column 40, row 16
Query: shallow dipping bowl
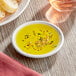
column 43, row 55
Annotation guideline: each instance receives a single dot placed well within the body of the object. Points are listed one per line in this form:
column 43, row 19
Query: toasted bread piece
column 18, row 1
column 9, row 6
column 2, row 13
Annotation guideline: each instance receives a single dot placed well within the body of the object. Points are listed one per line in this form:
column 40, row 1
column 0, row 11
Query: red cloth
column 10, row 67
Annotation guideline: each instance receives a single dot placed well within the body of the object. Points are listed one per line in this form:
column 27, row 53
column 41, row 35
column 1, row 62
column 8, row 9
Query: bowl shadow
column 40, row 15
column 39, row 65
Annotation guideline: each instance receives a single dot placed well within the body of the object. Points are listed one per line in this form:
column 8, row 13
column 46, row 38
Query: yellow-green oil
column 37, row 39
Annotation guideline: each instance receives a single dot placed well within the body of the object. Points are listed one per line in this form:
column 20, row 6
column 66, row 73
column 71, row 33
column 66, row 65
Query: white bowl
column 43, row 55
column 22, row 7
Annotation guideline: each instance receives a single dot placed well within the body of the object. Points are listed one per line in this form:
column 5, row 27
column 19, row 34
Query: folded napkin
column 10, row 67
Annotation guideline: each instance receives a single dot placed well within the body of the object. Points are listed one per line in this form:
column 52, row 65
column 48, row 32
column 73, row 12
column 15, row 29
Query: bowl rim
column 43, row 55
column 1, row 24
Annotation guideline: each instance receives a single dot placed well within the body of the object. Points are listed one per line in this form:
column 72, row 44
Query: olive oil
column 37, row 39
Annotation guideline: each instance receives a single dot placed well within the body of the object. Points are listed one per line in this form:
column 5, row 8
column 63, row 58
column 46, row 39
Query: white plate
column 22, row 7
